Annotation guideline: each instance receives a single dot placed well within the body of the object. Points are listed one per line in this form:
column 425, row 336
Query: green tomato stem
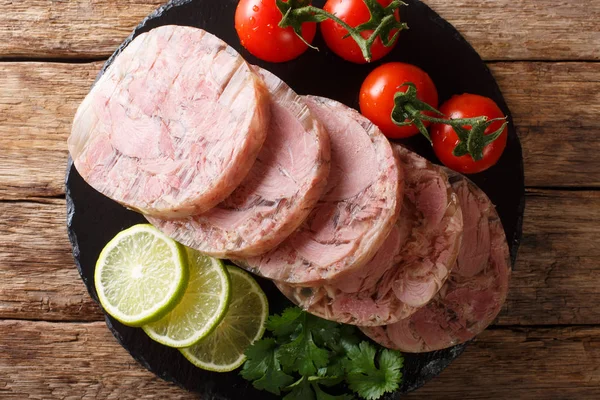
column 382, row 22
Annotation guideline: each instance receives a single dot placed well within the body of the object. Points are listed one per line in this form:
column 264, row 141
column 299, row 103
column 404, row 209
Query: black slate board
column 431, row 43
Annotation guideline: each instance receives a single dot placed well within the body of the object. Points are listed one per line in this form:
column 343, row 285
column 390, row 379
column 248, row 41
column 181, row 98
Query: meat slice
column 356, row 213
column 410, row 267
column 173, row 125
column 283, row 186
column 473, row 295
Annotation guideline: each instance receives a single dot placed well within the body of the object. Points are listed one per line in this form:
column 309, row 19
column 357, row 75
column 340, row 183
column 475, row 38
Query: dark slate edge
column 515, row 241
column 432, row 363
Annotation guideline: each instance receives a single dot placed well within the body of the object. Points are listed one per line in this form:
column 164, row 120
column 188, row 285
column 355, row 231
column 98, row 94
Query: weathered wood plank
column 68, row 28
column 555, row 280
column 38, row 275
column 561, row 146
column 41, row 360
column 556, row 108
column 526, row 29
column 523, row 364
column 498, row 29
column 556, row 277
column 37, row 104
column 84, row 361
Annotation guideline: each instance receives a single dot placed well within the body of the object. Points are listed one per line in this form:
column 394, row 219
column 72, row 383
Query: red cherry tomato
column 377, row 95
column 354, row 13
column 445, row 139
column 256, row 23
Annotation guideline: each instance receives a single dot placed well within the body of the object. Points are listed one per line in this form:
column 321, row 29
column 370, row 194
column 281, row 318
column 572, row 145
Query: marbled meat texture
column 475, row 292
column 357, row 212
column 281, row 189
column 411, row 265
column 173, row 125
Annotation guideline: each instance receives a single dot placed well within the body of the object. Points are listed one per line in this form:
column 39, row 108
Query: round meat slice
column 410, row 267
column 475, row 292
column 173, row 125
column 283, row 186
column 360, row 205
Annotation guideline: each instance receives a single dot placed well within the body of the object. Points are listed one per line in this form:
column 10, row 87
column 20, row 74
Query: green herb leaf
column 264, row 369
column 309, row 353
column 325, row 333
column 365, row 378
column 302, row 354
column 321, row 395
column 301, row 390
column 285, row 325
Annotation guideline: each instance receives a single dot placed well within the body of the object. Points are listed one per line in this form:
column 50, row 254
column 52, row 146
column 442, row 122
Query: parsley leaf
column 365, row 378
column 301, row 390
column 264, row 369
column 302, row 354
column 325, row 333
column 283, row 326
column 307, row 354
column 321, row 395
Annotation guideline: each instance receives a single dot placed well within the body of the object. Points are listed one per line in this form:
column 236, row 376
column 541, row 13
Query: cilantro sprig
column 307, row 355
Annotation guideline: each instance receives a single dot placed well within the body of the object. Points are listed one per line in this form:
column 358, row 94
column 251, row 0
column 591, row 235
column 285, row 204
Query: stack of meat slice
column 475, row 291
column 173, row 126
column 227, row 159
column 410, row 267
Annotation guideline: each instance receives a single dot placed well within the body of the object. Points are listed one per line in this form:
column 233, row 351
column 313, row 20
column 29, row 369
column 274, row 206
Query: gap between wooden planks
column 498, row 29
column 554, row 282
column 561, row 146
column 522, row 364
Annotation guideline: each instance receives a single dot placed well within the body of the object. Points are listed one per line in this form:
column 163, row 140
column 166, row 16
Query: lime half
column 223, row 350
column 140, row 275
column 202, row 307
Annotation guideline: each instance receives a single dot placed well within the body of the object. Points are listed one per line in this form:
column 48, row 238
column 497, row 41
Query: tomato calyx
column 474, row 140
column 297, row 12
column 409, row 110
column 382, row 22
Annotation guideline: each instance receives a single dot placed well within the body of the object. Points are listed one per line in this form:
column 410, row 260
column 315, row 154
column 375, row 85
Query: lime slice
column 202, row 307
column 223, row 350
column 140, row 275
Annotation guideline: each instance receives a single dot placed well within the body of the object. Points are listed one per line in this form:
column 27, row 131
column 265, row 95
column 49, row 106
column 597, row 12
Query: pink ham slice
column 410, row 267
column 473, row 295
column 173, row 125
column 356, row 213
column 283, row 186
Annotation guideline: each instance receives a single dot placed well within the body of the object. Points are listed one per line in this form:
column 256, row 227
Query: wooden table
column 546, row 343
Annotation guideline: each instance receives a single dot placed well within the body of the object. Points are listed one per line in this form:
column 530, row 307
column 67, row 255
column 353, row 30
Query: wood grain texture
column 38, row 275
column 555, row 107
column 84, row 361
column 526, row 29
column 498, row 29
column 528, row 364
column 68, row 28
column 555, row 280
column 556, row 277
column 37, row 104
column 561, row 146
column 41, row 360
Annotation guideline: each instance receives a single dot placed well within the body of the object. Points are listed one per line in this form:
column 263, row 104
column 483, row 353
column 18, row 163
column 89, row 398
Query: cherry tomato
column 445, row 139
column 256, row 23
column 354, row 13
column 377, row 95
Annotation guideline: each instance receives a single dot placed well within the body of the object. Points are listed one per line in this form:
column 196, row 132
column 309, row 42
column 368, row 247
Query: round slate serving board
column 431, row 43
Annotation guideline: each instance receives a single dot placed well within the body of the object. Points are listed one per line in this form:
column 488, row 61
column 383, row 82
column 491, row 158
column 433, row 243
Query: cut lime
column 202, row 307
column 244, row 323
column 140, row 275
